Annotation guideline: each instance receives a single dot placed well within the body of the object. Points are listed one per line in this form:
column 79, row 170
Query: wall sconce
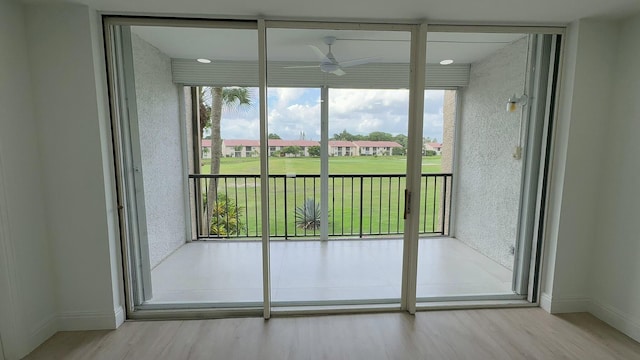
column 514, row 101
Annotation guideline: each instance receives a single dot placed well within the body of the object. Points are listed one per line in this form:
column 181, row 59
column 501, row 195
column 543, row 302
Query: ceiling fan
column 328, row 62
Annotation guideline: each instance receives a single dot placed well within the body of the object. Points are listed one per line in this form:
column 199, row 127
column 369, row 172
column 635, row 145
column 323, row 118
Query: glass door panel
column 338, row 110
column 472, row 165
column 199, row 206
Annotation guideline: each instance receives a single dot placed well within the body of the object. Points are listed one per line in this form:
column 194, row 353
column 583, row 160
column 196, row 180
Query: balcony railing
column 359, row 205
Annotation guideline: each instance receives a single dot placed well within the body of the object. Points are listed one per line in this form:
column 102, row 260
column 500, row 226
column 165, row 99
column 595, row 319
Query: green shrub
column 226, row 218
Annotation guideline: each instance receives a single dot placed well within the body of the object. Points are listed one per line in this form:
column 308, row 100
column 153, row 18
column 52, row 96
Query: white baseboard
column 120, row 316
column 620, row 320
column 85, row 320
column 43, row 331
column 565, row 305
column 545, row 302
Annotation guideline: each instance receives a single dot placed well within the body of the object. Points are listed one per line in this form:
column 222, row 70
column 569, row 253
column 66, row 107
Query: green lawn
column 373, row 205
column 337, row 165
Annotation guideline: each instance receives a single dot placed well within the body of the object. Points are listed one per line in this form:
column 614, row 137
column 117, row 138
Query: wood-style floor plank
column 460, row 334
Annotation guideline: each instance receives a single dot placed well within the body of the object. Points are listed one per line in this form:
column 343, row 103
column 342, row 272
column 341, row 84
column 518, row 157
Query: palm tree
column 229, row 98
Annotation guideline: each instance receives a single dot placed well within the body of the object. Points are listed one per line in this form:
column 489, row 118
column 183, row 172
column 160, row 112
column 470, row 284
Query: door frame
column 418, row 70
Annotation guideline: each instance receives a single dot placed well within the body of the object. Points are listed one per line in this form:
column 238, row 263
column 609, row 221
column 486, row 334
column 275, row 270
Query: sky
column 296, row 111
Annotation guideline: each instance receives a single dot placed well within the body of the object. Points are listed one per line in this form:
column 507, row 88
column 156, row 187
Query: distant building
column 434, row 146
column 342, row 148
column 279, row 145
column 205, row 153
column 251, row 148
column 376, row 148
column 240, row 148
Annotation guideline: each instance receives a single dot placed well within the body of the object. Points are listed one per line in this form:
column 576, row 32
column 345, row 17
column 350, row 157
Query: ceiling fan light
column 329, row 67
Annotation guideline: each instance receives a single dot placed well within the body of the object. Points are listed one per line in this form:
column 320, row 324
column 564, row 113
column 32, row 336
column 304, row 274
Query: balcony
column 360, row 261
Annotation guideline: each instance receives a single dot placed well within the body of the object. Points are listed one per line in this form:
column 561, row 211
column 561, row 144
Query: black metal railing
column 359, row 205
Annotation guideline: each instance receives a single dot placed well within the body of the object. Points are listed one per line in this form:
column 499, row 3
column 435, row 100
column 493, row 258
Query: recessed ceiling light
column 203, row 61
column 446, row 62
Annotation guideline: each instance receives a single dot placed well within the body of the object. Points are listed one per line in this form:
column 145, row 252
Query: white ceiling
column 474, row 11
column 291, row 44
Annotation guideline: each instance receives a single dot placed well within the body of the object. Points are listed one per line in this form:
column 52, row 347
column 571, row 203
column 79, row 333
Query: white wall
column 615, row 265
column 65, row 142
column 161, row 150
column 73, row 128
column 488, row 177
column 577, row 169
column 27, row 287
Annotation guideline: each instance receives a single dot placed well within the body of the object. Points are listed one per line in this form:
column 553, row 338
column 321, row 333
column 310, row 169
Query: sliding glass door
column 186, row 91
column 338, row 115
column 481, row 141
column 288, row 164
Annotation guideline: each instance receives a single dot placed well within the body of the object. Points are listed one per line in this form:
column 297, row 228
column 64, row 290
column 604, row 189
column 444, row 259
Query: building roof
column 301, row 143
column 341, row 143
column 240, row 142
column 391, row 144
column 435, row 145
column 305, row 143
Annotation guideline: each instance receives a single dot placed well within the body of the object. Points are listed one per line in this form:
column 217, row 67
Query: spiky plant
column 308, row 215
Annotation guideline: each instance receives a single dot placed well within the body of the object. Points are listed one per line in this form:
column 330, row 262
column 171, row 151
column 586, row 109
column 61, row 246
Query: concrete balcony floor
column 231, row 271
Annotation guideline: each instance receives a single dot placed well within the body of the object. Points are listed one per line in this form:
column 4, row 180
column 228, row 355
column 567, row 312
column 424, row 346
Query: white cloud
column 285, row 96
column 291, row 111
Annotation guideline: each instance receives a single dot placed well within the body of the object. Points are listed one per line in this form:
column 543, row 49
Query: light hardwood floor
column 462, row 334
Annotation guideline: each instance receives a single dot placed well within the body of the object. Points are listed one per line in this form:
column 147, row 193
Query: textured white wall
column 488, row 177
column 161, row 148
column 27, row 294
column 615, row 265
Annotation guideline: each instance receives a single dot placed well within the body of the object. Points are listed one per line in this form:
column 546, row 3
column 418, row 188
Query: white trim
column 337, row 25
column 544, row 174
column 498, row 29
column 545, row 302
column 474, row 304
column 43, row 331
column 11, row 327
column 111, row 55
column 89, row 320
column 622, row 321
column 120, row 316
column 184, row 151
column 414, row 167
column 193, row 314
column 324, row 163
column 179, row 21
column 618, row 319
column 566, row 305
column 264, row 167
column 455, row 162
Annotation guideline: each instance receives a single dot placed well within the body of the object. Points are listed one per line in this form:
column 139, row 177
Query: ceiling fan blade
column 358, row 61
column 301, row 67
column 319, row 53
column 338, row 72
